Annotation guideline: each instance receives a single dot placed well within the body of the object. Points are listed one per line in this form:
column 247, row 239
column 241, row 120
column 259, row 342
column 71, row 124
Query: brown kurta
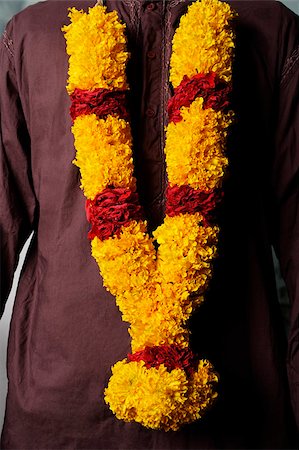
column 66, row 331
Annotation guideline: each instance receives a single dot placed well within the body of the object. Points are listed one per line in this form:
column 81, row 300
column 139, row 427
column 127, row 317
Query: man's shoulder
column 43, row 16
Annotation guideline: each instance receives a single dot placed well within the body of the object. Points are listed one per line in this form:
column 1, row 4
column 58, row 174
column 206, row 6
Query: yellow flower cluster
column 157, row 398
column 155, row 290
column 96, row 43
column 203, row 42
column 126, row 262
column 194, row 146
column 102, row 146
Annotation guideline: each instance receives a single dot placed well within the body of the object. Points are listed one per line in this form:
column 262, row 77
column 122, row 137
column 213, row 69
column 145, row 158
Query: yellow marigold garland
column 155, row 290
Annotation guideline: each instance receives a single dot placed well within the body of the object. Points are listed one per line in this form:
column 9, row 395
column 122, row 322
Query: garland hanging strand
column 161, row 384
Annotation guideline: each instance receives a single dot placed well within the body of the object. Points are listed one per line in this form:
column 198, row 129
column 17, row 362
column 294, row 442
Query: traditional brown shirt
column 66, row 330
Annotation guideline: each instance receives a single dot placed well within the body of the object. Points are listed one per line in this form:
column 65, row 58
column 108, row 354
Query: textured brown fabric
column 66, row 331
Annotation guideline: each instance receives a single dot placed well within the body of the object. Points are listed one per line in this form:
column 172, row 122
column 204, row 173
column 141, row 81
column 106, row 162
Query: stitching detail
column 8, row 43
column 165, row 90
column 173, row 3
column 134, row 8
column 289, row 65
column 164, row 19
column 167, row 34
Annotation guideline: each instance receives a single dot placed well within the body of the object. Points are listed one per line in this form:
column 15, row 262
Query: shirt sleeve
column 285, row 224
column 17, row 198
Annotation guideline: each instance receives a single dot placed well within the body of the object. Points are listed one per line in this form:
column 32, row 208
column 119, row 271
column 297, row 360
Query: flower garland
column 162, row 384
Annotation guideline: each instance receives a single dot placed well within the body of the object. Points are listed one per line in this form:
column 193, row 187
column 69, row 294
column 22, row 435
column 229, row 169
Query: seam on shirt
column 163, row 19
column 134, row 16
column 289, row 66
column 173, row 3
column 8, row 43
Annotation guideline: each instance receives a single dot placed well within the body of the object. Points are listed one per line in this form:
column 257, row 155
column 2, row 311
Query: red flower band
column 172, row 356
column 214, row 91
column 100, row 101
column 185, row 199
column 110, row 210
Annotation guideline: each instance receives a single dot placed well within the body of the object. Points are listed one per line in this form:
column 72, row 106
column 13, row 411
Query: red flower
column 185, row 199
column 99, row 101
column 110, row 210
column 213, row 90
column 172, row 356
